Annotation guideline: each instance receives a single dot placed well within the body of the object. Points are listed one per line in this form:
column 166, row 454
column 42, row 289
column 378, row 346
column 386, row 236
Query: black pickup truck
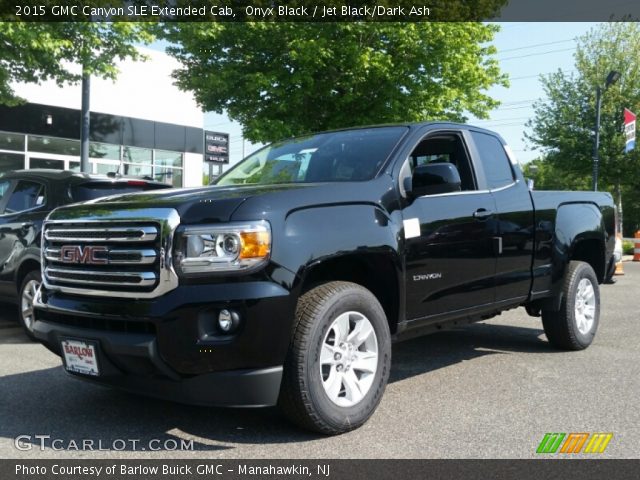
column 287, row 281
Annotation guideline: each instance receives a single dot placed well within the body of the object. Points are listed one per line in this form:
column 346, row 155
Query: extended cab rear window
column 93, row 190
column 496, row 164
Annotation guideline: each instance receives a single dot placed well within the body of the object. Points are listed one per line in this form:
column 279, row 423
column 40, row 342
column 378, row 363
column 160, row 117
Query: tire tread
column 557, row 324
column 295, row 400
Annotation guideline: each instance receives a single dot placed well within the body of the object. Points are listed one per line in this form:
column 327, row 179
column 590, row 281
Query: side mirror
column 432, row 179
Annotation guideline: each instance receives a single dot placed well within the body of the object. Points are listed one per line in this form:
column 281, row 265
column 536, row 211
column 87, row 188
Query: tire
column 574, row 326
column 28, row 287
column 319, row 393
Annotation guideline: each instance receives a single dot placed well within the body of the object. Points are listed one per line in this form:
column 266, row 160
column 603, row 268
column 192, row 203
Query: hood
column 210, row 204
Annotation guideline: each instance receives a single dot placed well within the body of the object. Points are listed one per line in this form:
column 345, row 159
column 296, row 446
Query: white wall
column 142, row 90
column 192, row 170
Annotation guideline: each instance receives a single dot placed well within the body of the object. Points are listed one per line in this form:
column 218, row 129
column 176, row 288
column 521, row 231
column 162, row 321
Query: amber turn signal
column 255, row 244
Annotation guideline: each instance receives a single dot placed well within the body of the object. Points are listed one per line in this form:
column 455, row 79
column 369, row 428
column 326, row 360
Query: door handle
column 482, row 214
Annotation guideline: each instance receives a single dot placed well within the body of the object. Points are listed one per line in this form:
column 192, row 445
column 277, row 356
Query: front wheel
column 338, row 363
column 574, row 326
column 28, row 288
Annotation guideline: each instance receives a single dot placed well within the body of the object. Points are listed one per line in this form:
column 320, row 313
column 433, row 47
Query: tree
column 37, row 51
column 563, row 124
column 547, row 177
column 285, row 79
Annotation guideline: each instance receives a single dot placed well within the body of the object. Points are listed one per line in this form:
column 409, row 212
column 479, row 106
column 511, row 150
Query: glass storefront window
column 172, row 176
column 210, row 172
column 11, row 161
column 137, row 155
column 61, row 146
column 104, row 168
column 168, row 159
column 104, row 150
column 11, row 141
column 46, row 163
column 137, row 170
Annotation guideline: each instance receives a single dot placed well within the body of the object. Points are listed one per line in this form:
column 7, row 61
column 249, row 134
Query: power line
column 520, row 102
column 504, row 119
column 539, row 74
column 537, row 54
column 501, row 125
column 218, row 124
column 513, row 108
column 537, row 45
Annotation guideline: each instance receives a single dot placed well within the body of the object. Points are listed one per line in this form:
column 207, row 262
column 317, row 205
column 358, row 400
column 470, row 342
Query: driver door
column 449, row 238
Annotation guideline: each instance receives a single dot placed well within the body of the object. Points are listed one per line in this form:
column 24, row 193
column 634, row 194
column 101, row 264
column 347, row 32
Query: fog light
column 228, row 321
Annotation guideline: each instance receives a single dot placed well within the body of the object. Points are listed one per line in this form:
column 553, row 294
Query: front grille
column 110, row 258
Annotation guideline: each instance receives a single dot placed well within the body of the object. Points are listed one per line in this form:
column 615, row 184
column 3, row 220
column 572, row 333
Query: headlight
column 222, row 248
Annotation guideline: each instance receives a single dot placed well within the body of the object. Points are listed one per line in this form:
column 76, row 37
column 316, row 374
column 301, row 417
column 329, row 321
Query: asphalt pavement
column 489, row 390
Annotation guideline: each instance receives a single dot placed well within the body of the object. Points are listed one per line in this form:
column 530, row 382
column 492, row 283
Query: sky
column 525, row 51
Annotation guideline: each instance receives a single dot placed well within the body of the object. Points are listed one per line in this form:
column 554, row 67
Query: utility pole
column 620, row 216
column 612, row 78
column 596, row 141
column 85, row 121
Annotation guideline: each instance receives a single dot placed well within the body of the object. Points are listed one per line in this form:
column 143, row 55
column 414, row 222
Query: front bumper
column 161, row 347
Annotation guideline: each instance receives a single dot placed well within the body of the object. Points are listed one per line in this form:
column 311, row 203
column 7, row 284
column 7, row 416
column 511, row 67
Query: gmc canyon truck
column 287, row 281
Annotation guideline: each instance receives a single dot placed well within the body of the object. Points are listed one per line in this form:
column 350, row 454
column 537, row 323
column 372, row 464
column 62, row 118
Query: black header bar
column 114, row 469
column 319, row 11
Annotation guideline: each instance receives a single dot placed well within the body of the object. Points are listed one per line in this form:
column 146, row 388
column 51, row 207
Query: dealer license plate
column 80, row 357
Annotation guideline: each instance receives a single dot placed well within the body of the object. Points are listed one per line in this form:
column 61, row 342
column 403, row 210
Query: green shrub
column 627, row 247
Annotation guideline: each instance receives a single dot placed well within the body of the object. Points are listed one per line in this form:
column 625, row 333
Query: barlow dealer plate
column 80, row 357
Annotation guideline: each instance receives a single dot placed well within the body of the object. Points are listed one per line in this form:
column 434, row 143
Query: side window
column 4, row 186
column 497, row 166
column 445, row 148
column 25, row 196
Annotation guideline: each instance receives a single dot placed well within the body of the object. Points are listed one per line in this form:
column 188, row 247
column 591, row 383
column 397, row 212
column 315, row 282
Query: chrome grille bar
column 115, row 256
column 101, row 234
column 106, row 278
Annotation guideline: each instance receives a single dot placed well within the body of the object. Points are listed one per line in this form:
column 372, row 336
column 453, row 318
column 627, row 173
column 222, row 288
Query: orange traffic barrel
column 636, row 247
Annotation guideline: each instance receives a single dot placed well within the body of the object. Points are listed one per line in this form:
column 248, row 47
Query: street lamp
column 612, row 78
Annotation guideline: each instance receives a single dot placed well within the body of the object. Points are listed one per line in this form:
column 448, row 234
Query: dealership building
column 141, row 125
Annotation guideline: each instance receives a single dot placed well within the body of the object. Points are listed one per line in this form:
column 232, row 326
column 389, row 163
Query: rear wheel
column 339, row 359
column 27, row 293
column 574, row 326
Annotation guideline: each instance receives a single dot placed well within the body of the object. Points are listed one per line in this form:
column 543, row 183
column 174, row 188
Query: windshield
column 93, row 190
column 346, row 156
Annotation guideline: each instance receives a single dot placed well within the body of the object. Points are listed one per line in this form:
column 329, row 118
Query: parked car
column 26, row 198
column 286, row 282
